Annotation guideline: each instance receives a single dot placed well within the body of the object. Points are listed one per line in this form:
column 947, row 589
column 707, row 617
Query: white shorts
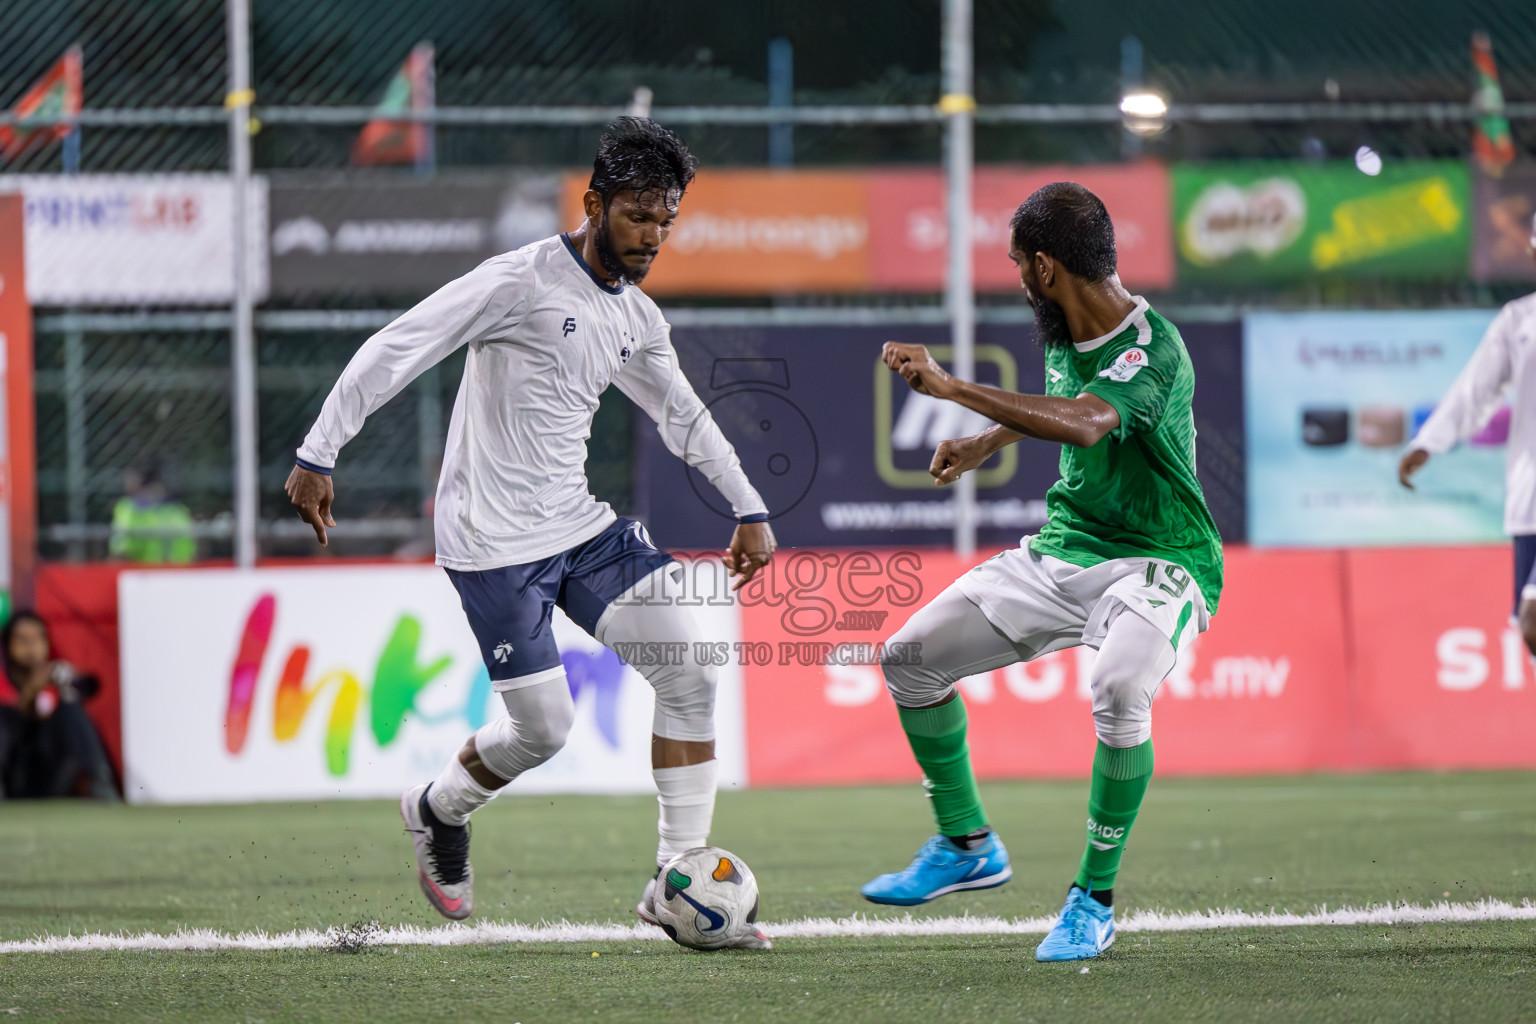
column 1044, row 604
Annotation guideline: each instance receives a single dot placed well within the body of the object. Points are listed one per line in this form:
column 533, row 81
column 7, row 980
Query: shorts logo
column 1125, row 365
column 502, row 650
column 570, row 326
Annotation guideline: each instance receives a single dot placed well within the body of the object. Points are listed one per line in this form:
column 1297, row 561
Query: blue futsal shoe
column 941, row 867
column 1085, row 929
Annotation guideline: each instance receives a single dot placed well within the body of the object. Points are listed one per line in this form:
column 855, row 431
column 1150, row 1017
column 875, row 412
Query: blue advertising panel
column 840, row 447
column 1332, row 401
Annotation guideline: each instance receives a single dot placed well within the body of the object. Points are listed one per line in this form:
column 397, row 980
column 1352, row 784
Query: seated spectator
column 147, row 524
column 48, row 745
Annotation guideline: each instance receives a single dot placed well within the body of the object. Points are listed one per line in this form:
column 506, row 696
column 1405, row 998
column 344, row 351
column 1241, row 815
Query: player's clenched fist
column 918, row 369
column 953, row 458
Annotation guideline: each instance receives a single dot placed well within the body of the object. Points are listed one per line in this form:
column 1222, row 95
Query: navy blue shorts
column 1525, row 565
column 510, row 608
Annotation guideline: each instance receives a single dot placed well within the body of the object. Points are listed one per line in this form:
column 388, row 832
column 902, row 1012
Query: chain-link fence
column 131, row 400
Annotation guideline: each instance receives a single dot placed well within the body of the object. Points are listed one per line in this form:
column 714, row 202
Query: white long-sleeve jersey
column 1506, row 357
column 546, row 337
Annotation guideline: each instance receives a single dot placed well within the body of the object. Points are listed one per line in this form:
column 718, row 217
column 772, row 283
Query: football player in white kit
column 1505, row 361
column 549, row 327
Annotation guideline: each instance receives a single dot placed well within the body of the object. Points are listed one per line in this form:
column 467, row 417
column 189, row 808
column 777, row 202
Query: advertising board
column 1332, row 400
column 304, row 683
column 1275, row 221
column 133, row 239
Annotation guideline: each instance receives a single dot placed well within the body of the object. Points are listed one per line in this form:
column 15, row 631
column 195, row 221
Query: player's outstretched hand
column 953, row 458
column 311, row 494
column 1413, row 461
column 918, row 369
column 752, row 545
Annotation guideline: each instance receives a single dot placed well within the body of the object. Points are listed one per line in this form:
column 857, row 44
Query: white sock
column 454, row 794
column 687, row 799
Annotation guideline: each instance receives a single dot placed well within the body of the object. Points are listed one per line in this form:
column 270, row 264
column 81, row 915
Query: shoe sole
column 989, row 882
column 427, row 888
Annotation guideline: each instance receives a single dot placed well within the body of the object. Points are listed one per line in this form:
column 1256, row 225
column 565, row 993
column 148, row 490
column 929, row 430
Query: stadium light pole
column 243, row 350
column 958, row 105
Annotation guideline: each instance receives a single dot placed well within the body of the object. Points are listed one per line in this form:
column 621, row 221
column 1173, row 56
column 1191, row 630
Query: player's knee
column 1122, row 707
column 912, row 685
column 1528, row 624
column 685, row 702
column 510, row 748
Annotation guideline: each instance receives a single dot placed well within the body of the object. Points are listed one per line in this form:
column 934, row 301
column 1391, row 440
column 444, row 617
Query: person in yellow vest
column 147, row 525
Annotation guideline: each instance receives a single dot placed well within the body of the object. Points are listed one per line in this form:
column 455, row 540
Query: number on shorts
column 1177, row 579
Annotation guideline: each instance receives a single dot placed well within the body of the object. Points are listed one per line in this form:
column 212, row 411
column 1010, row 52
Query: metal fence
column 529, row 84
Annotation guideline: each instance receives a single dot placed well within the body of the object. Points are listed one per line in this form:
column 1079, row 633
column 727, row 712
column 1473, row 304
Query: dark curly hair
column 1070, row 223
column 637, row 153
column 9, row 630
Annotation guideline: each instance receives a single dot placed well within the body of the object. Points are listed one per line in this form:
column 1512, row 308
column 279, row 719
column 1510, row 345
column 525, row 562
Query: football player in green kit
column 1128, row 561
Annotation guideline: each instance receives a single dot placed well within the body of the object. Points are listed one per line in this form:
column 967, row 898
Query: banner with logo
column 280, row 684
column 132, row 239
column 839, row 446
column 909, row 229
column 1505, row 207
column 366, row 234
column 749, row 232
column 1445, row 680
column 1260, row 692
column 752, row 232
column 1332, row 400
column 1263, row 221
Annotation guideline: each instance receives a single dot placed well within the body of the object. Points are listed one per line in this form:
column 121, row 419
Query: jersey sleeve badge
column 1126, row 365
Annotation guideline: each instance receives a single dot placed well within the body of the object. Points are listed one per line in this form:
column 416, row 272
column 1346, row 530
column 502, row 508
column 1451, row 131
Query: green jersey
column 1133, row 494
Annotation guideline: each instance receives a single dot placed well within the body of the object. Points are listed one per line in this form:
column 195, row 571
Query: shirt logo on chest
column 570, row 326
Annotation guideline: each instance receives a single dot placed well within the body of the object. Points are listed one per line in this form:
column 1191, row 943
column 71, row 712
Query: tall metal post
column 75, row 474
column 1130, row 81
column 959, row 106
column 243, row 351
column 781, row 93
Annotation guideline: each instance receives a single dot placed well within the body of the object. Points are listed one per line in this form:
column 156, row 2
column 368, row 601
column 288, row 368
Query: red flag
column 56, row 95
column 387, row 140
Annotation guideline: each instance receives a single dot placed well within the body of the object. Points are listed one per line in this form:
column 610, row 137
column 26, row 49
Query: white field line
column 494, row 933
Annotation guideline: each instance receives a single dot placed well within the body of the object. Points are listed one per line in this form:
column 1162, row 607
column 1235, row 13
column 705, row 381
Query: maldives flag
column 56, row 94
column 1492, row 147
column 387, row 140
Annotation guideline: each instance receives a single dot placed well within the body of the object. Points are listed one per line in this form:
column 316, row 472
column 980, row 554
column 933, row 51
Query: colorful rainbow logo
column 397, row 679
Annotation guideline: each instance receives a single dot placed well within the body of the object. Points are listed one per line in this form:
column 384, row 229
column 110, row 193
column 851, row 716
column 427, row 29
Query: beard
column 1050, row 323
column 612, row 262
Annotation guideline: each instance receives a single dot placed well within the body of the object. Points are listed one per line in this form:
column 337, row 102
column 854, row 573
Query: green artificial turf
column 1253, row 844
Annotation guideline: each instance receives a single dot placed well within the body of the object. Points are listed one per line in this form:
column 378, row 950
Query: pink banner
column 909, row 234
column 1263, row 691
column 1444, row 680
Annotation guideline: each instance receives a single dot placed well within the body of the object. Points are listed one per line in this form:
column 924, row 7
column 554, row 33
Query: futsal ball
column 706, row 898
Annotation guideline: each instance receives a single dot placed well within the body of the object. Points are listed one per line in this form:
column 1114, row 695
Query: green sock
column 937, row 736
column 1120, row 777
